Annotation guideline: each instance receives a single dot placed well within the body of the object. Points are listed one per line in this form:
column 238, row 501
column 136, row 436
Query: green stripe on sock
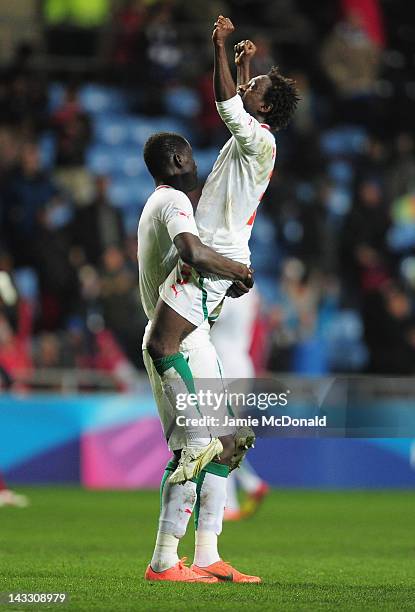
column 179, row 363
column 170, row 467
column 198, row 488
column 217, row 468
column 204, row 298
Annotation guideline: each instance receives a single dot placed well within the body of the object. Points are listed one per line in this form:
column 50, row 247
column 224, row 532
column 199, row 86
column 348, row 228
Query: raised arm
column 223, row 84
column 244, row 52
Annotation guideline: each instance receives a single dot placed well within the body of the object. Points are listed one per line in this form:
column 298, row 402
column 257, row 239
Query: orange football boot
column 224, row 572
column 179, row 573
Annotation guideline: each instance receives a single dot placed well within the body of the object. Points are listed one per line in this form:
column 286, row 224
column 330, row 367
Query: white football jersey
column 167, row 213
column 239, row 178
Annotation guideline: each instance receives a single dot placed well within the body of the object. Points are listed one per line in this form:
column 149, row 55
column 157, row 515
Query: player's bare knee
column 157, row 347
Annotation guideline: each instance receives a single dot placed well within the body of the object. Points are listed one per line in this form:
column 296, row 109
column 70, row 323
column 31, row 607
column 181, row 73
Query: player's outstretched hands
column 244, row 51
column 223, row 27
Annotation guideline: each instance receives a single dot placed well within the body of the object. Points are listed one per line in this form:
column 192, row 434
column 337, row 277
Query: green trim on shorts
column 204, row 298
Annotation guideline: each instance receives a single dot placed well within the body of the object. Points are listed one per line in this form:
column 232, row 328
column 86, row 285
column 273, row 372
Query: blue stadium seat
column 267, row 286
column 112, row 129
column 340, row 201
column 98, row 98
column 182, row 102
column 346, row 140
column 205, row 158
column 119, row 161
column 47, row 147
column 130, row 192
column 27, row 284
column 401, row 237
column 341, row 172
column 344, row 339
column 264, row 248
column 94, row 99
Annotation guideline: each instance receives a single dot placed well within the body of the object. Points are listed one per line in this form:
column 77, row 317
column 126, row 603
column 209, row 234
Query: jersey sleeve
column 248, row 132
column 178, row 216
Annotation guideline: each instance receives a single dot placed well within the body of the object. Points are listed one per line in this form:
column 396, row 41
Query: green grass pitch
column 314, row 551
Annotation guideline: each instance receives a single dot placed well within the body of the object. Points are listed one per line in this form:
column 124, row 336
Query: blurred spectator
column 73, row 131
column 57, row 276
column 128, row 23
column 73, row 135
column 400, row 177
column 351, row 60
column 15, row 349
column 294, row 315
column 263, row 59
column 27, row 190
column 365, row 259
column 99, row 225
column 23, row 101
column 390, row 331
column 211, row 131
column 163, row 51
column 121, row 307
column 47, row 351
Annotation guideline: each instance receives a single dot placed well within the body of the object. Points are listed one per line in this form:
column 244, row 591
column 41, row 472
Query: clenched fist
column 244, row 51
column 223, row 27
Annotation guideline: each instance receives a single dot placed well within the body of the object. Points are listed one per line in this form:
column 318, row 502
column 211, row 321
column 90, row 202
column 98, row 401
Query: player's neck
column 177, row 181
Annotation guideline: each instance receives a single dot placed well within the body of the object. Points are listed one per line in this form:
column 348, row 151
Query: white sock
column 177, row 503
column 206, row 548
column 232, row 502
column 247, row 478
column 165, row 552
column 210, row 506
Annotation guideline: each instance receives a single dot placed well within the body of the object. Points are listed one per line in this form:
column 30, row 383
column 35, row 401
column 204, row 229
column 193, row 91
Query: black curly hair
column 282, row 94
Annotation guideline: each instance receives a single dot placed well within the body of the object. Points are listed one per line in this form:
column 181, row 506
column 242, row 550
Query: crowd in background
column 335, row 237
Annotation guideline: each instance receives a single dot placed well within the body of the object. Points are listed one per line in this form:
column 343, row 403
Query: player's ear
column 266, row 108
column 178, row 160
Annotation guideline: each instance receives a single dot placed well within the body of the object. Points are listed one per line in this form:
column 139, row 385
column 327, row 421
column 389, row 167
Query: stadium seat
column 47, row 147
column 343, row 336
column 26, row 282
column 205, row 158
column 98, row 98
column 130, row 192
column 401, row 237
column 94, row 99
column 340, row 172
column 118, row 161
column 112, row 129
column 182, row 102
column 339, row 201
column 346, row 140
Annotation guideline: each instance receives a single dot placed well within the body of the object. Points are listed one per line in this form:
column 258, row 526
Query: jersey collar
column 266, row 126
column 164, row 187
